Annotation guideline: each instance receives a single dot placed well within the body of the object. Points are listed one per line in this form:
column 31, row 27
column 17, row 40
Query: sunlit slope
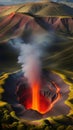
column 23, row 8
column 38, row 8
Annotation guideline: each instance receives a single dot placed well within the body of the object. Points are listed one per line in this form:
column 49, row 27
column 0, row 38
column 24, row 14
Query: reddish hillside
column 64, row 25
column 24, row 20
column 15, row 25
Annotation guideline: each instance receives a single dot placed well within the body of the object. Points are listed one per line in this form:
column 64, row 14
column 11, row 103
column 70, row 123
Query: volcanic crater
column 38, row 98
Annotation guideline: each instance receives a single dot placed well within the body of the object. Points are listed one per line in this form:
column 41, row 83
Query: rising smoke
column 31, row 64
column 31, row 56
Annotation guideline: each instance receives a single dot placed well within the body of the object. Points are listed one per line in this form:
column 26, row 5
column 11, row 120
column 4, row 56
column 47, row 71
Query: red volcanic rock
column 27, row 19
column 61, row 24
column 17, row 24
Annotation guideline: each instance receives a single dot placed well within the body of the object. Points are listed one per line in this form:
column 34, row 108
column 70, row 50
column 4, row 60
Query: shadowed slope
column 55, row 9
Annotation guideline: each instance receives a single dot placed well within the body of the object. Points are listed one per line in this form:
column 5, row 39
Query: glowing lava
column 35, row 96
column 32, row 98
column 39, row 102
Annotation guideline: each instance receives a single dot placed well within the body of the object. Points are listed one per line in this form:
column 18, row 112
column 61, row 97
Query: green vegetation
column 9, row 121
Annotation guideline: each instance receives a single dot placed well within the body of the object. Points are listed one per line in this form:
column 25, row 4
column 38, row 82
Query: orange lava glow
column 39, row 102
column 35, row 96
column 36, row 101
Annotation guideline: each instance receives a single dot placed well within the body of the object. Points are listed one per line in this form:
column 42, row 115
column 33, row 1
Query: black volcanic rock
column 32, row 115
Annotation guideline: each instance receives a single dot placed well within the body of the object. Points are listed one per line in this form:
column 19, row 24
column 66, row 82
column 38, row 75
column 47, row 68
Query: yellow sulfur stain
column 2, row 81
column 2, row 104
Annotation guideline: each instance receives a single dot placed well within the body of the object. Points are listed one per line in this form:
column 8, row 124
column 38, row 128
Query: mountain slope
column 55, row 9
column 38, row 8
column 27, row 19
column 16, row 24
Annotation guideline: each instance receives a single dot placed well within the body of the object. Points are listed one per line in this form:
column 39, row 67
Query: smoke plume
column 31, row 57
column 31, row 64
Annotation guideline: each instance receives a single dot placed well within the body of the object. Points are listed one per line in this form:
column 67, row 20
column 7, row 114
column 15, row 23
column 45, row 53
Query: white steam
column 31, row 55
column 31, row 64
